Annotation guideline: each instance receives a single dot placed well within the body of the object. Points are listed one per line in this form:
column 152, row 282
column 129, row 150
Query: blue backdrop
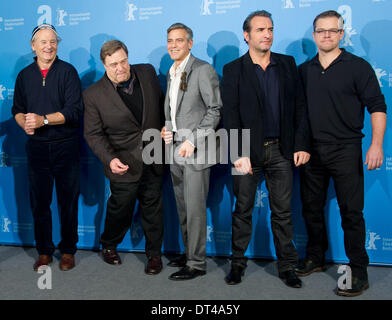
column 217, row 25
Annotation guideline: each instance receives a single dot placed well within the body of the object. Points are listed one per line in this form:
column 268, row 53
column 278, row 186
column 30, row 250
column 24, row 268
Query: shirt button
column 322, row 72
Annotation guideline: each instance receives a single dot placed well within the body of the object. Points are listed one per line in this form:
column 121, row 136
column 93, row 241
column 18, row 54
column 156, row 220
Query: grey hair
column 189, row 32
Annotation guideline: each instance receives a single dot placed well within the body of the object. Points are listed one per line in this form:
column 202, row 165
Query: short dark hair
column 259, row 13
column 110, row 47
column 189, row 32
column 328, row 14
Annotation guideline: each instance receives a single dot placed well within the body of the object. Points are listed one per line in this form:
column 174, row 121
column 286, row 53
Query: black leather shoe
column 111, row 256
column 357, row 287
column 154, row 265
column 187, row 273
column 178, row 262
column 234, row 277
column 290, row 278
column 306, row 267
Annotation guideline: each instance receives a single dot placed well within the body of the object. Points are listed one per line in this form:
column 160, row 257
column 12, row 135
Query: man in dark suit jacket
column 124, row 103
column 261, row 91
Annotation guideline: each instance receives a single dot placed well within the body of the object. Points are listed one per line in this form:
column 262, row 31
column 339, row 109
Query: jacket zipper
column 44, row 78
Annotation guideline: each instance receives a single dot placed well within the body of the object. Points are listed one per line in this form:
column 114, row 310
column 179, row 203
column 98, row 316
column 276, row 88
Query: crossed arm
column 31, row 121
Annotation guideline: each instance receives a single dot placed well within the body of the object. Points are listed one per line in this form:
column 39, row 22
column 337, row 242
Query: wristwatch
column 46, row 121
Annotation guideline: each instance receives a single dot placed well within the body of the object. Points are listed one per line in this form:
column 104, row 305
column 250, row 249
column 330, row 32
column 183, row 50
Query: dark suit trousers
column 56, row 163
column 342, row 162
column 279, row 180
column 120, row 207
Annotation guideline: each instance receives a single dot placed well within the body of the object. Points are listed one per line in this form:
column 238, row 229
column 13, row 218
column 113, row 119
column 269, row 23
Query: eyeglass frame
column 331, row 31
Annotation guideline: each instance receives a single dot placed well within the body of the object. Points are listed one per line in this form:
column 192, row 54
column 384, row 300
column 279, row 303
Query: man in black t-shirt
column 338, row 86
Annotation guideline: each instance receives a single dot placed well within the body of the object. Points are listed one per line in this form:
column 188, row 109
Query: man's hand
column 374, row 157
column 30, row 132
column 243, row 165
column 300, row 158
column 33, row 121
column 186, row 149
column 166, row 135
column 375, row 154
column 118, row 167
column 20, row 119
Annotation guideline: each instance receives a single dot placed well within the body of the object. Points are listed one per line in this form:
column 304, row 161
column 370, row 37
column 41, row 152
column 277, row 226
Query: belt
column 267, row 143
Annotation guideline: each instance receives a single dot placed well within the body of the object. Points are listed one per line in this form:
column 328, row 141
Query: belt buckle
column 270, row 142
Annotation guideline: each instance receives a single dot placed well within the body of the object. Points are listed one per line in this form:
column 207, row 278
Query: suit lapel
column 116, row 99
column 188, row 70
column 143, row 84
column 252, row 76
column 167, row 100
column 281, row 82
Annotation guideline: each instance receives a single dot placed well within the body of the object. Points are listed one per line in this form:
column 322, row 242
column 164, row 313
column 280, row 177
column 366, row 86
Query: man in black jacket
column 261, row 91
column 47, row 106
column 119, row 108
column 338, row 86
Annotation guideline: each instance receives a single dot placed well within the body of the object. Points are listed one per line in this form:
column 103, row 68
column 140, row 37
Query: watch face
column 46, row 121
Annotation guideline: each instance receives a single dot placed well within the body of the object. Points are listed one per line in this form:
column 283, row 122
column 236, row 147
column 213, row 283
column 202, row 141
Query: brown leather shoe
column 111, row 256
column 154, row 265
column 67, row 262
column 43, row 260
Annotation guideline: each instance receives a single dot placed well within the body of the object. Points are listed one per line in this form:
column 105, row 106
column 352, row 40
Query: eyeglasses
column 183, row 84
column 330, row 31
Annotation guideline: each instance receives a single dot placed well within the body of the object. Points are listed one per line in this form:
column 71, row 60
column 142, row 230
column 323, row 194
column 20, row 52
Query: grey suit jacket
column 198, row 109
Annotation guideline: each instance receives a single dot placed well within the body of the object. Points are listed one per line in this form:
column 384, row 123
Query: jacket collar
column 116, row 99
column 55, row 61
column 343, row 56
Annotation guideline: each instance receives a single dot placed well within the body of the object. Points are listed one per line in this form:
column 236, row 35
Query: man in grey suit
column 192, row 111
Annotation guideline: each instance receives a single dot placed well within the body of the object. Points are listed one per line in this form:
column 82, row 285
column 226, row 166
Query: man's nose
column 121, row 68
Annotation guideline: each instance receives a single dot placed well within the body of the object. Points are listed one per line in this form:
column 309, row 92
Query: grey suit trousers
column 191, row 191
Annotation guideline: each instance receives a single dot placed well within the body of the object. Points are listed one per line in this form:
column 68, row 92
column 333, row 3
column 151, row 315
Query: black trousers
column 120, row 207
column 279, row 180
column 342, row 162
column 56, row 163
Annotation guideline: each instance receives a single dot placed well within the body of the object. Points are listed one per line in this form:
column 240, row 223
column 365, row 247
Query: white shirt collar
column 176, row 71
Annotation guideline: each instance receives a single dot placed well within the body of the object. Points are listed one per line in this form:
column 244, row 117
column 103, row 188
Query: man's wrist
column 45, row 120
